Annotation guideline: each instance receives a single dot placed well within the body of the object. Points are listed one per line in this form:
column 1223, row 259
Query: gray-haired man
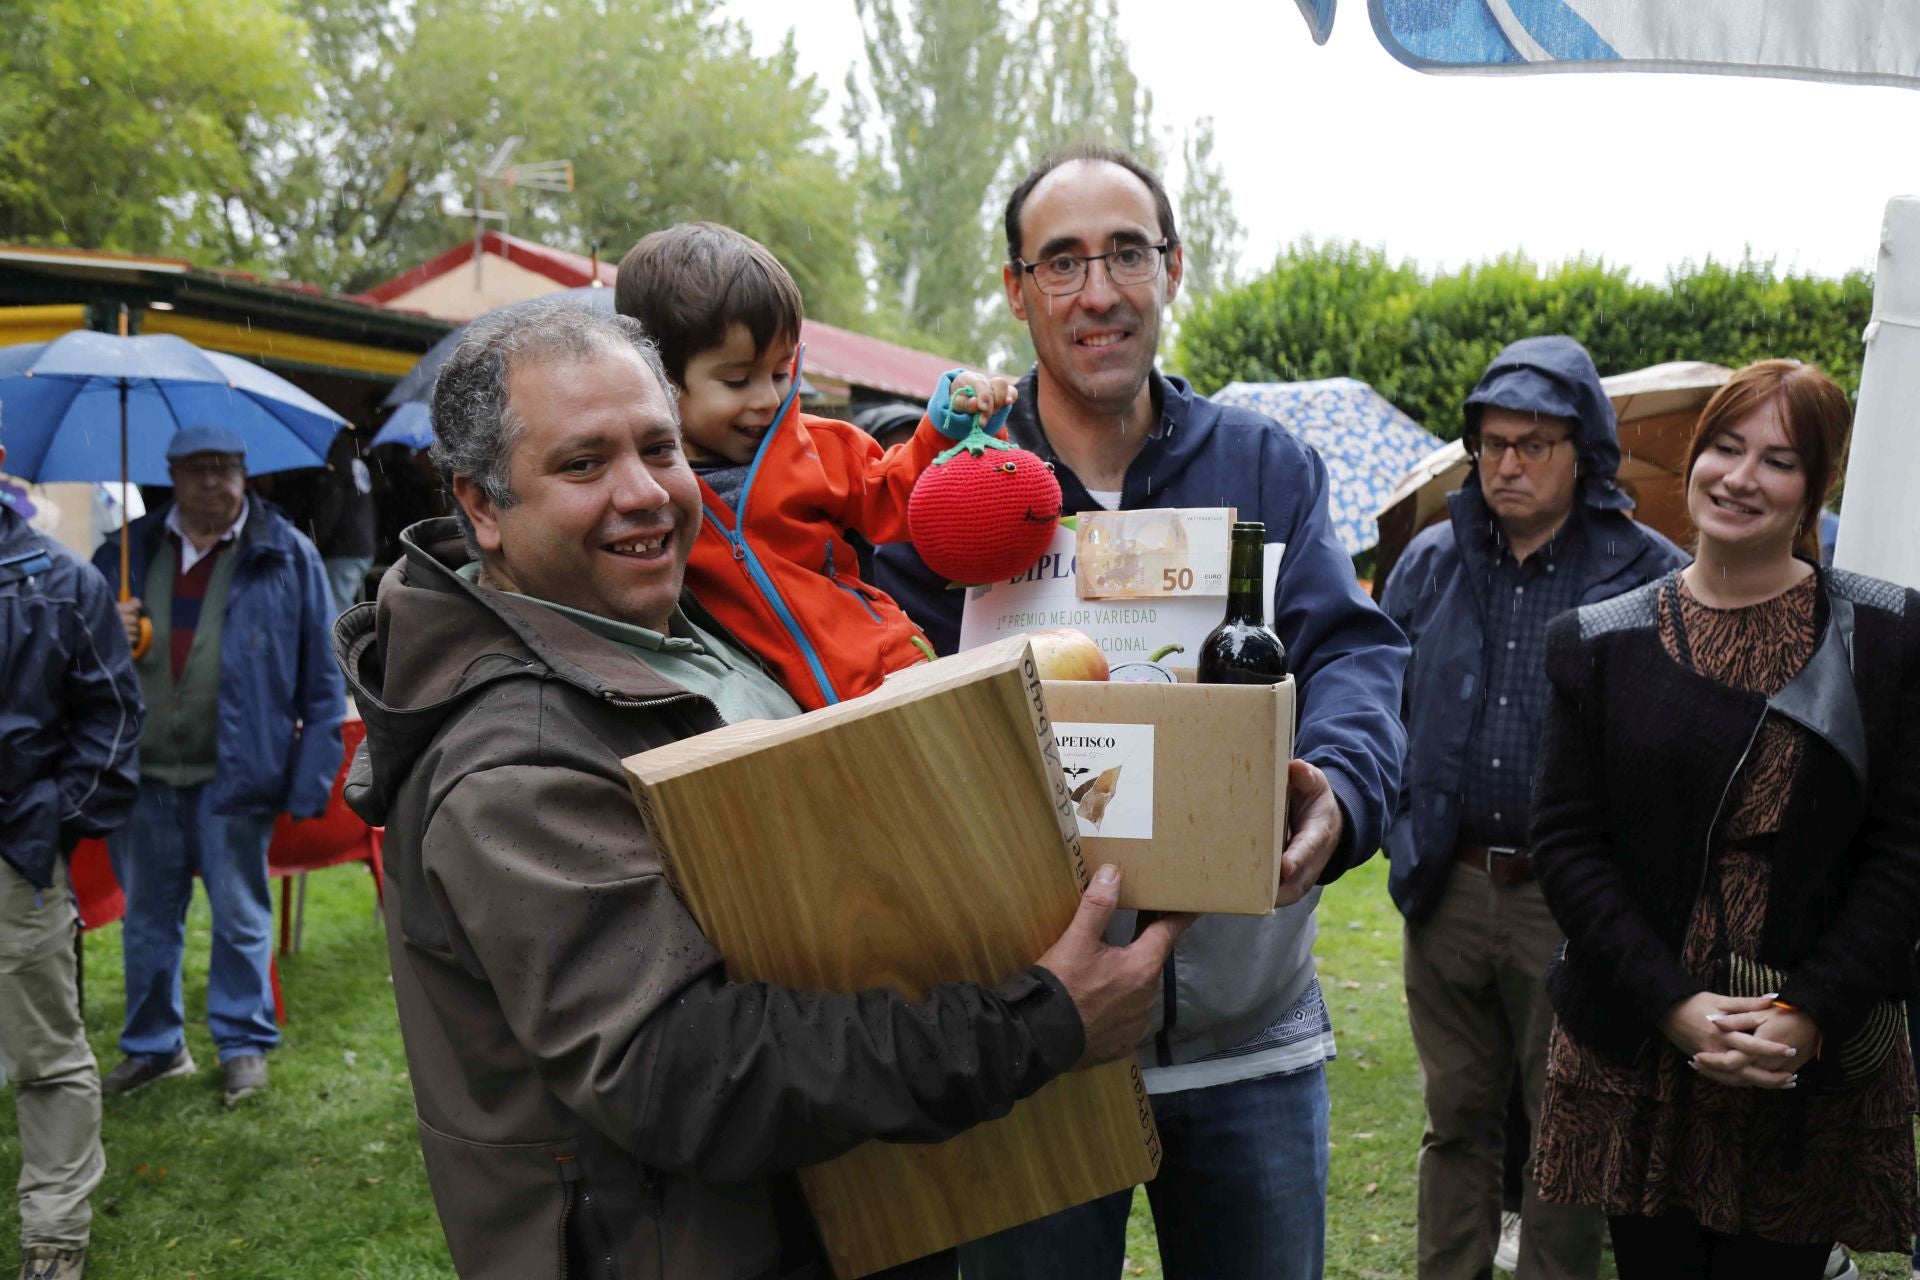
column 578, row 1055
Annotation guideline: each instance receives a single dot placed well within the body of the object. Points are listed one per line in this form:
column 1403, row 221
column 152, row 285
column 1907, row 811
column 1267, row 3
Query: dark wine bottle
column 1243, row 649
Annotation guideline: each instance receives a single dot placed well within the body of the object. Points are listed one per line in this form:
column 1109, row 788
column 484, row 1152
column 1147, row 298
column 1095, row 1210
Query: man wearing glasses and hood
column 1539, row 527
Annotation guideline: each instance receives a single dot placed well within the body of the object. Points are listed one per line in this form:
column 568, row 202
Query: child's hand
column 982, row 393
column 967, row 401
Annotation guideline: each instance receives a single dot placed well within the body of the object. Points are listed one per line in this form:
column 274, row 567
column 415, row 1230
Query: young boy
column 780, row 488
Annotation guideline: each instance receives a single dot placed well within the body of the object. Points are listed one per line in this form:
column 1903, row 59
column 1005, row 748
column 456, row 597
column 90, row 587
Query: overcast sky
column 1341, row 141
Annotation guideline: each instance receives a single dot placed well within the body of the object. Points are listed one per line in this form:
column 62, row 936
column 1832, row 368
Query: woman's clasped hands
column 1747, row 1042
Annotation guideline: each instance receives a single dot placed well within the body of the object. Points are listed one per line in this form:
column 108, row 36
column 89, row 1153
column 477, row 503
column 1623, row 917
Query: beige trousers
column 44, row 1051
column 1479, row 1013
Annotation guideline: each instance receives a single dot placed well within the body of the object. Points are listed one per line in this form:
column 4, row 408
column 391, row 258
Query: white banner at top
column 1859, row 41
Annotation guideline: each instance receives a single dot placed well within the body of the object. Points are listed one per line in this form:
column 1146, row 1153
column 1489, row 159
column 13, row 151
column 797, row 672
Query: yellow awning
column 44, row 324
column 39, row 324
column 274, row 344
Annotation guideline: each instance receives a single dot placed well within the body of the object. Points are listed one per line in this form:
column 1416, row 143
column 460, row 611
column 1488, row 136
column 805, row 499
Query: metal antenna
column 501, row 175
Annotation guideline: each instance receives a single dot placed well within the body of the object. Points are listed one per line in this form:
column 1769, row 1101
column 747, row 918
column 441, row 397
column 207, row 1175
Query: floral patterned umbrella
column 1366, row 443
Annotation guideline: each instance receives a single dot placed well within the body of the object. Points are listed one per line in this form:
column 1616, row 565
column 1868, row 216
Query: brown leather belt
column 1503, row 863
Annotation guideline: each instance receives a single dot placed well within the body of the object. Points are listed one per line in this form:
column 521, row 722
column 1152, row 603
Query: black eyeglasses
column 1533, row 450
column 1066, row 273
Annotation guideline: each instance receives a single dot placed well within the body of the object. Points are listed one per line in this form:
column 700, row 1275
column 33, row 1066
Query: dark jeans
column 1241, row 1195
column 174, row 833
column 1676, row 1245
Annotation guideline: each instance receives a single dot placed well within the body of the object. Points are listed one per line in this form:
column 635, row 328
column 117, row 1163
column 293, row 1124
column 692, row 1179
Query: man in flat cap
column 244, row 706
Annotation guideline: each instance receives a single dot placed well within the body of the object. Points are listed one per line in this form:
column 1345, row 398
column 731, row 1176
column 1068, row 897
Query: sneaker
column 244, row 1075
column 1840, row 1266
column 1506, row 1256
column 52, row 1262
column 135, row 1074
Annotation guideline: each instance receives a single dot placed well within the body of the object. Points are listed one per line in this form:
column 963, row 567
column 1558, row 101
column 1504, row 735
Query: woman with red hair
column 1727, row 827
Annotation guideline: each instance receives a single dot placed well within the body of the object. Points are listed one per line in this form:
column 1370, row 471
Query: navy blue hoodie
column 1236, row 974
column 1436, row 594
column 70, row 721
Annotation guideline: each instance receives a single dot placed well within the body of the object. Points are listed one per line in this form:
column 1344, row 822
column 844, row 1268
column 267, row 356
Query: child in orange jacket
column 781, row 488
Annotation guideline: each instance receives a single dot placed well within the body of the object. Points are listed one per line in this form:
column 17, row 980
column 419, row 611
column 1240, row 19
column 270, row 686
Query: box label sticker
column 1109, row 770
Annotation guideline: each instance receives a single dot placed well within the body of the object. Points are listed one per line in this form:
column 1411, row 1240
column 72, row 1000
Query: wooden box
column 1181, row 786
column 918, row 835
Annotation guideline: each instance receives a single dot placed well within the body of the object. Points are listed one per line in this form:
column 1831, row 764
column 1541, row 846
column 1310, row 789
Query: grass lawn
column 320, row 1177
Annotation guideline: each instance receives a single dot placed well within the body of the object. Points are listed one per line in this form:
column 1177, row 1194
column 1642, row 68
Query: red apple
column 1062, row 653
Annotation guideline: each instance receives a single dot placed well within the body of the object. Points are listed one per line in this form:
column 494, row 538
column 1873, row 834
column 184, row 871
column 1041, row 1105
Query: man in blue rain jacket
column 1540, row 526
column 244, row 706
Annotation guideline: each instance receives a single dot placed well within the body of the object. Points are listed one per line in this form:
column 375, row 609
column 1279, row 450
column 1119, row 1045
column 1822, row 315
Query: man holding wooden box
column 594, row 1097
column 1236, row 1065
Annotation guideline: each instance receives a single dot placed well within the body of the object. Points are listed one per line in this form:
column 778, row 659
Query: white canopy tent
column 1880, row 519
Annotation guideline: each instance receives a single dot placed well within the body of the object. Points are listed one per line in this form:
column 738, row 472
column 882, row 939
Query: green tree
column 1208, row 227
column 956, row 101
column 116, row 114
column 930, row 120
column 1081, row 86
column 1342, row 310
column 377, row 114
column 1320, row 311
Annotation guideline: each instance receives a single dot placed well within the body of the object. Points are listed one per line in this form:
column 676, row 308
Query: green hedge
column 1422, row 340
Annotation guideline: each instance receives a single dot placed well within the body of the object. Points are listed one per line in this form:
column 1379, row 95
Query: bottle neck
column 1245, row 581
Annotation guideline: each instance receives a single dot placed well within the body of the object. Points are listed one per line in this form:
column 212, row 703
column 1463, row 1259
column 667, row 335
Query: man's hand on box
column 1313, row 831
column 1115, row 989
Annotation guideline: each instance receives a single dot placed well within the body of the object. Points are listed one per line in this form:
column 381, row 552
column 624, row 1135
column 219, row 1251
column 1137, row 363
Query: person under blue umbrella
column 244, row 713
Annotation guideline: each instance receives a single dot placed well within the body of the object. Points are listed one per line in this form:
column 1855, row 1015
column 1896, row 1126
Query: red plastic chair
column 337, row 836
column 94, row 888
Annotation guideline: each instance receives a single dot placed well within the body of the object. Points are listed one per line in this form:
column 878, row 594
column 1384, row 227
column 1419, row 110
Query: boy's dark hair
column 1091, row 151
column 688, row 284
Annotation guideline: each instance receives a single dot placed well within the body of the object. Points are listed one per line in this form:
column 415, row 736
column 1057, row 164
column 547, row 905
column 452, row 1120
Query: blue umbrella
column 1367, row 444
column 88, row 406
column 67, row 403
column 411, row 426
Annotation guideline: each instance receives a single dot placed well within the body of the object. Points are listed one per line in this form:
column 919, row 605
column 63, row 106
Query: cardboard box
column 1181, row 786
column 920, row 834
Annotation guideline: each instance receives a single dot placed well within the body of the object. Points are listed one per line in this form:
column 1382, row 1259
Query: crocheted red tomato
column 983, row 511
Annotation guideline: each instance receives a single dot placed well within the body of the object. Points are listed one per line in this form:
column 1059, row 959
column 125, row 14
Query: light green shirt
column 692, row 658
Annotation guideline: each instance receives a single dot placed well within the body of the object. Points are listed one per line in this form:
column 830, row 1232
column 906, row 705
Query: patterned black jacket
column 1638, row 758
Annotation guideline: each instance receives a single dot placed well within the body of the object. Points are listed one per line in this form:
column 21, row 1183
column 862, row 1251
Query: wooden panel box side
column 912, row 840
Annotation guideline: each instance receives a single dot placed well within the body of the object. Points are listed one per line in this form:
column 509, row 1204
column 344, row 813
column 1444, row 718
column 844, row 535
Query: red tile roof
column 569, row 270
column 856, row 359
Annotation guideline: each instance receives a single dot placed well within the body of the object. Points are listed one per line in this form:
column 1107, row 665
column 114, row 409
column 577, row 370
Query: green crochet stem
column 977, row 442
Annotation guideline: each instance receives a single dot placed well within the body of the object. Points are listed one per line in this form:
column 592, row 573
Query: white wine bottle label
column 1153, row 554
column 1109, row 771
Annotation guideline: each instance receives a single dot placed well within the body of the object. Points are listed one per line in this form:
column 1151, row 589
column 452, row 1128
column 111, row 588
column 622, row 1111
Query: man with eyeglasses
column 1539, row 527
column 244, row 706
column 1236, row 1064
